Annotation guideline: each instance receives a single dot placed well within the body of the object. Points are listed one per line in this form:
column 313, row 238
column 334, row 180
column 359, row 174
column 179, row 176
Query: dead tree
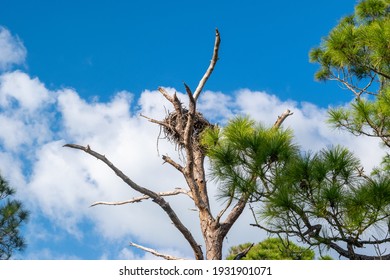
column 183, row 127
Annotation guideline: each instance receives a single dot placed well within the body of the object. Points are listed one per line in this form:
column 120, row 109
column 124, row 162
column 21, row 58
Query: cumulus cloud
column 217, row 106
column 19, row 91
column 61, row 183
column 12, row 50
column 25, row 116
column 309, row 124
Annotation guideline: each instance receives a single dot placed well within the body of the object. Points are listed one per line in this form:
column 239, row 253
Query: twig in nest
column 174, row 133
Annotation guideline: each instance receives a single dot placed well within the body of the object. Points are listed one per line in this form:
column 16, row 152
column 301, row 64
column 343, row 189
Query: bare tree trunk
column 183, row 128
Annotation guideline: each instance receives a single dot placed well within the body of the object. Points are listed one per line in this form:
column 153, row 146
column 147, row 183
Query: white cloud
column 61, row 183
column 12, row 132
column 10, row 169
column 26, row 117
column 84, row 120
column 260, row 105
column 12, row 50
column 47, row 254
column 216, row 105
column 19, row 91
column 308, row 123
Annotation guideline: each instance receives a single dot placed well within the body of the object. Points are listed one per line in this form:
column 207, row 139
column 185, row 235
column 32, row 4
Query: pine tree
column 271, row 249
column 323, row 200
column 12, row 216
column 356, row 54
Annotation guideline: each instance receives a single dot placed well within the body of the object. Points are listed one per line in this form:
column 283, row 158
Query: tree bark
column 181, row 128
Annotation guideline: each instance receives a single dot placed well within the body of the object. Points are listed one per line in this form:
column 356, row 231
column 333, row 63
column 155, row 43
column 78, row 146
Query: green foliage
column 371, row 9
column 12, row 215
column 244, row 154
column 272, row 249
column 356, row 54
column 325, row 197
column 365, row 117
column 326, row 258
column 358, row 45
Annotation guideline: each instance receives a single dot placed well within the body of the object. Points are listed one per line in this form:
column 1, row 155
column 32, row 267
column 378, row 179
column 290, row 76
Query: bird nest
column 174, row 127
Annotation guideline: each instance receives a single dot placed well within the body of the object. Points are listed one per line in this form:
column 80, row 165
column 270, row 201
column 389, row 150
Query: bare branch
column 173, row 99
column 190, row 156
column 144, row 197
column 235, row 213
column 165, row 94
column 173, row 163
column 243, row 253
column 210, row 69
column 355, row 89
column 253, row 214
column 178, row 108
column 154, row 121
column 161, row 123
column 219, row 216
column 189, row 93
column 281, row 118
column 154, row 196
column 154, row 252
column 377, row 71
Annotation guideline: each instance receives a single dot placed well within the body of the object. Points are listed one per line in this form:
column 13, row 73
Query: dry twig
column 154, row 252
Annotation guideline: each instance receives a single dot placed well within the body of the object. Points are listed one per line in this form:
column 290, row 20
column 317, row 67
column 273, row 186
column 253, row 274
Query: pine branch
column 240, row 205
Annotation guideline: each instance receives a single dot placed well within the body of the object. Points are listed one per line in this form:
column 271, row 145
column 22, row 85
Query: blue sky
column 82, row 71
column 99, row 47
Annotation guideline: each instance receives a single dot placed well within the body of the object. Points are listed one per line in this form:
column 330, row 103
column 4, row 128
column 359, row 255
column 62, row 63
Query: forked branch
column 158, row 199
